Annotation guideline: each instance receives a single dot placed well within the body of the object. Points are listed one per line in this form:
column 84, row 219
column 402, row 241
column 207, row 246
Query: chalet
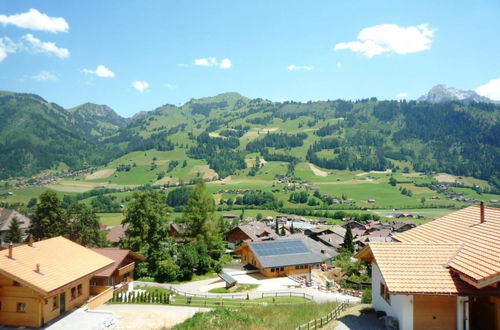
column 254, row 232
column 42, row 280
column 178, row 231
column 281, row 257
column 315, row 246
column 120, row 275
column 314, row 231
column 400, row 227
column 116, row 234
column 444, row 274
column 6, row 217
column 334, row 240
column 229, row 216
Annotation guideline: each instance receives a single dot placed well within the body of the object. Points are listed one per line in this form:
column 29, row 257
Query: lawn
column 235, row 289
column 111, row 219
column 257, row 317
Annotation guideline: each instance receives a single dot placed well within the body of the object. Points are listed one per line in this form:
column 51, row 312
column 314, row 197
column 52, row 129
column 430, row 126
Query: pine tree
column 292, row 230
column 276, row 226
column 348, row 240
column 83, row 225
column 14, row 234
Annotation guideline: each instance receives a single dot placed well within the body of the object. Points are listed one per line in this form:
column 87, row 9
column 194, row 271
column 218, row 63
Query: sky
column 139, row 55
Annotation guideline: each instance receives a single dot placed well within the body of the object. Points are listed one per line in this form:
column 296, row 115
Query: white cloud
column 390, row 38
column 339, row 65
column 208, row 61
column 35, row 45
column 226, row 64
column 44, row 76
column 100, row 71
column 6, row 46
column 212, row 61
column 293, row 67
column 35, row 20
column 141, row 86
column 401, row 96
column 490, row 90
column 170, row 86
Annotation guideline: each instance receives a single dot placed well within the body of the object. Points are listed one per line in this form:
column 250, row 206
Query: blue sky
column 138, row 55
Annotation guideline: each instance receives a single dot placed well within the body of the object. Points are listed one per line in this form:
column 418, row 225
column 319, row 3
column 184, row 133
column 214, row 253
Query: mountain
column 224, row 131
column 443, row 93
column 97, row 120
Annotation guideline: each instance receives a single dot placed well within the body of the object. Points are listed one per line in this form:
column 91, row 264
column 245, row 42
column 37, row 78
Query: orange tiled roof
column 61, row 262
column 409, row 268
column 478, row 259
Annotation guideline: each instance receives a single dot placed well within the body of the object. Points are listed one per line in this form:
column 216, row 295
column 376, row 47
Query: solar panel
column 279, row 248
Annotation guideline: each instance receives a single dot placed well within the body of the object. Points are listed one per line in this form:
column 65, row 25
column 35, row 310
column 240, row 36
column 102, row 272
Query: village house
column 115, row 234
column 441, row 275
column 40, row 281
column 120, row 275
column 256, row 231
column 281, row 257
column 6, row 217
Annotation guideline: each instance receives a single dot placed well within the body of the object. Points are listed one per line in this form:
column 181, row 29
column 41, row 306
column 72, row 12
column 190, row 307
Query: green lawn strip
column 236, row 288
column 258, row 317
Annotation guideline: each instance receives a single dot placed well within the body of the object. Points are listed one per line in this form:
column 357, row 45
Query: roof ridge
column 462, row 246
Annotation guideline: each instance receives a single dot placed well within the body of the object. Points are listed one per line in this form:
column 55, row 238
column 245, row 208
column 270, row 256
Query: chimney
column 30, row 240
column 10, row 251
column 38, row 268
column 481, row 212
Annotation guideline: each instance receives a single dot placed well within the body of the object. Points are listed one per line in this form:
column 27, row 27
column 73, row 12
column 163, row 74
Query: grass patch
column 257, row 317
column 197, row 278
column 236, row 288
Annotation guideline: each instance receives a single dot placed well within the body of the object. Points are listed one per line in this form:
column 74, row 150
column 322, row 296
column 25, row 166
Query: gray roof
column 6, row 216
column 227, row 278
column 284, row 253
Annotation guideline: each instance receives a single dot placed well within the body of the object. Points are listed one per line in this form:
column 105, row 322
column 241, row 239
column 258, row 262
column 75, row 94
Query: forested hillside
column 458, row 138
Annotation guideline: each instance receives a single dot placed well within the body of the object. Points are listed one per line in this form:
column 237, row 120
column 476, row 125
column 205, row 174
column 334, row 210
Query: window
column 272, row 270
column 21, row 308
column 0, row 305
column 282, row 269
column 384, row 292
column 79, row 289
column 54, row 303
column 16, row 283
column 73, row 293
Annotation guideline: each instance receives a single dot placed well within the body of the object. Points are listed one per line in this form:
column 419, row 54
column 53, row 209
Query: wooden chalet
column 116, row 233
column 254, row 232
column 42, row 280
column 280, row 258
column 120, row 275
column 444, row 274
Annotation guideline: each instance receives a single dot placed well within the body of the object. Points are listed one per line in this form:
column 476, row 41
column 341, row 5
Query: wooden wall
column 39, row 309
column 434, row 312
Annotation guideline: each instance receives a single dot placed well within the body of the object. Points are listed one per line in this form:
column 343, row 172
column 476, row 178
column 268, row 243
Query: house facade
column 442, row 275
column 256, row 231
column 42, row 280
column 120, row 275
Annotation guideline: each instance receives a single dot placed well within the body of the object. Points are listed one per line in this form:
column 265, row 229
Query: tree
column 282, row 232
column 48, row 220
column 276, row 226
column 14, row 234
column 422, row 200
column 258, row 216
column 199, row 218
column 84, row 225
column 348, row 240
column 32, row 202
column 147, row 216
column 392, row 181
column 292, row 230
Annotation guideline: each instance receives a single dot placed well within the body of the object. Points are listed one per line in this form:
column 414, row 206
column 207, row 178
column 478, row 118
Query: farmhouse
column 120, row 275
column 442, row 275
column 6, row 217
column 42, row 280
column 116, row 234
column 254, row 232
column 280, row 258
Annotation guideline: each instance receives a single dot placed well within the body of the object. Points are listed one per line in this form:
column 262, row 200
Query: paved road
column 130, row 316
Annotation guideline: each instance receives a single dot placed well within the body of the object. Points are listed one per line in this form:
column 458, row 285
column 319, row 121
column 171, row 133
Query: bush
column 366, row 298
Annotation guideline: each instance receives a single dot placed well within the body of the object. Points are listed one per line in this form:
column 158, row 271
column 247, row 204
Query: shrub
column 366, row 298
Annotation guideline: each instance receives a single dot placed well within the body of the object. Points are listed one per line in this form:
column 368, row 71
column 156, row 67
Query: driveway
column 149, row 316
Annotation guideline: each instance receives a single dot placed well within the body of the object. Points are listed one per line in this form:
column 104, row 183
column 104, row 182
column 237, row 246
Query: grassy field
column 261, row 317
column 236, row 288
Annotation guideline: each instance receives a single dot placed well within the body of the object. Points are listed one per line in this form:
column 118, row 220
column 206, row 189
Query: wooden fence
column 321, row 322
column 103, row 295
